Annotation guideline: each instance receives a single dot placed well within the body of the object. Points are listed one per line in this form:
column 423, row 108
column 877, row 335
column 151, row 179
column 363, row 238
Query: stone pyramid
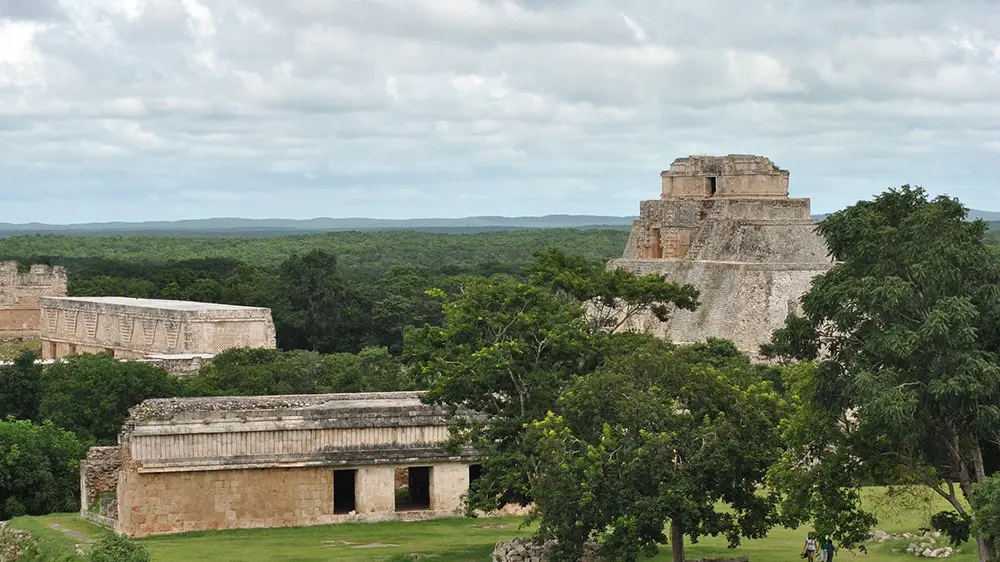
column 726, row 225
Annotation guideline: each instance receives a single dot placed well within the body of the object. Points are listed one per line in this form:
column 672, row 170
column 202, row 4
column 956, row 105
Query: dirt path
column 75, row 535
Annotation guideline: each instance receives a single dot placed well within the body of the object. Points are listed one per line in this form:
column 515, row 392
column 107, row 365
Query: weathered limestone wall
column 449, row 482
column 134, row 328
column 172, row 502
column 744, row 303
column 268, row 461
column 735, row 175
column 20, row 294
column 99, row 473
column 225, row 499
column 375, row 490
column 179, row 365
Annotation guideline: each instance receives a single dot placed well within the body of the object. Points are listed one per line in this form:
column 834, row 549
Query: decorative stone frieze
column 134, row 328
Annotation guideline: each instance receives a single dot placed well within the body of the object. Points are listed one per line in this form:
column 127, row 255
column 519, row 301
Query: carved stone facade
column 727, row 226
column 136, row 328
column 192, row 464
column 20, row 293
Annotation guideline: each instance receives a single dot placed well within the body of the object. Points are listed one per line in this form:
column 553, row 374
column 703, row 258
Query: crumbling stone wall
column 527, row 550
column 20, row 293
column 100, row 477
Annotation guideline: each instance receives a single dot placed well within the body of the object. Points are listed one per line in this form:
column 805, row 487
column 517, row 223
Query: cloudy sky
column 169, row 109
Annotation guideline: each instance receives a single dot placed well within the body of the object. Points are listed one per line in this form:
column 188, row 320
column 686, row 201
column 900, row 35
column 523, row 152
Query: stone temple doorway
column 415, row 495
column 344, row 499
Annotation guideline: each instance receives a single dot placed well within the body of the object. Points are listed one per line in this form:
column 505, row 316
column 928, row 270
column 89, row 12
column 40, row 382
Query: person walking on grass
column 827, row 549
column 809, row 548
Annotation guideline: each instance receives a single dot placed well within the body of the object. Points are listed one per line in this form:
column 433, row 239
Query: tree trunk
column 987, row 549
column 677, row 542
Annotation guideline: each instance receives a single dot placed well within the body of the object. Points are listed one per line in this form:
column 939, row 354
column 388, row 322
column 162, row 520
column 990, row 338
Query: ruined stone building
column 178, row 334
column 188, row 464
column 727, row 226
column 19, row 295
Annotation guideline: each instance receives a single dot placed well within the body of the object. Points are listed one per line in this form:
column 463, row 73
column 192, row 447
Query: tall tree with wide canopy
column 509, row 349
column 906, row 327
column 660, row 434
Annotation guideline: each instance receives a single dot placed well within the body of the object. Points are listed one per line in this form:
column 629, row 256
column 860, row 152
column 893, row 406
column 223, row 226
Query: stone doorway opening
column 475, row 472
column 343, row 491
column 711, row 187
column 415, row 495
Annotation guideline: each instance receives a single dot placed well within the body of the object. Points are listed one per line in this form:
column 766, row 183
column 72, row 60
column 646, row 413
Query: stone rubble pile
column 527, row 550
column 13, row 542
column 924, row 544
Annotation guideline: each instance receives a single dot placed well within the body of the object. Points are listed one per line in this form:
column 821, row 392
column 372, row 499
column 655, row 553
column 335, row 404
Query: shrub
column 118, row 548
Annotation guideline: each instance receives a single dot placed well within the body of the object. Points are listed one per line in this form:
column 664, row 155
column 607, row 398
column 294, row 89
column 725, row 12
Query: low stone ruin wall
column 98, row 480
column 526, row 550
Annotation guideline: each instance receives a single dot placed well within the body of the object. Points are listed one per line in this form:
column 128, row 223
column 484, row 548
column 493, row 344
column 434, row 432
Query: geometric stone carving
column 71, row 318
column 90, row 323
column 137, row 327
column 125, row 324
column 148, row 331
column 51, row 319
column 173, row 329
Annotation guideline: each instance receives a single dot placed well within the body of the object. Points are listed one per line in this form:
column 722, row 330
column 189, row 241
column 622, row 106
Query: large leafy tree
column 21, row 387
column 39, row 469
column 319, row 310
column 613, row 296
column 90, row 395
column 659, row 434
column 509, row 350
column 906, row 327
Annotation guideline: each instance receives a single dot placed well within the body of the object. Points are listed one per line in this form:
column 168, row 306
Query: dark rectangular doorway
column 417, row 493
column 343, row 491
column 712, row 188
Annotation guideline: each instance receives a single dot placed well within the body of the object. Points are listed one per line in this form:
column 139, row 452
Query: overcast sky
column 170, row 109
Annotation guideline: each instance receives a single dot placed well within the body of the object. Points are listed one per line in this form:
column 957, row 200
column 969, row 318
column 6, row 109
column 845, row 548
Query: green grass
column 463, row 540
column 11, row 349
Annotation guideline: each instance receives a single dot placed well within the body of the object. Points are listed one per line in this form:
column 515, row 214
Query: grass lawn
column 11, row 349
column 454, row 540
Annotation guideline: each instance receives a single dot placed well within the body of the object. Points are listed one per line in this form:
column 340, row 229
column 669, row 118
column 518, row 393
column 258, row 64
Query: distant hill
column 282, row 227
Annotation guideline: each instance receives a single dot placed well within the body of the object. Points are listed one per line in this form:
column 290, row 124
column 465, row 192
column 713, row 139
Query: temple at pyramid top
column 732, row 176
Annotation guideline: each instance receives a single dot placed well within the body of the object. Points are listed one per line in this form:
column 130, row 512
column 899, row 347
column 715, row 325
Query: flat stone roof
column 162, row 304
column 340, row 404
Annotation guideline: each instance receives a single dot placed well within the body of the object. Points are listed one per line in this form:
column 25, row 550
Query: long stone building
column 131, row 328
column 20, row 293
column 272, row 461
column 727, row 226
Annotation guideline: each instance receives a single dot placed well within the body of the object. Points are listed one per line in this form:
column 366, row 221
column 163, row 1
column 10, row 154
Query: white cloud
column 637, row 31
column 428, row 108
